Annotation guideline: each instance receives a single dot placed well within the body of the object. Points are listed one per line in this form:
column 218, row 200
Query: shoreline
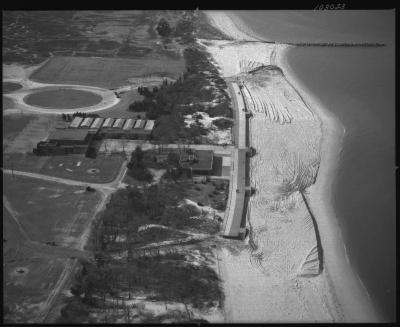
column 346, row 285
column 352, row 293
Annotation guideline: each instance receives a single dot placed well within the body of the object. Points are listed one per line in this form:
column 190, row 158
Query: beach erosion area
column 294, row 267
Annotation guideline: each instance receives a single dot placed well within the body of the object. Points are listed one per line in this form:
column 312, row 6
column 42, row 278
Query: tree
column 136, row 158
column 163, row 28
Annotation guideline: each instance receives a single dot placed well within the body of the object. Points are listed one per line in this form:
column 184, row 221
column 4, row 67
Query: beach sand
column 264, row 282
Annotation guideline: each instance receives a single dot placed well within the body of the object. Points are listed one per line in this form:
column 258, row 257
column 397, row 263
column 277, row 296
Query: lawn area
column 49, row 211
column 105, row 72
column 46, row 212
column 121, row 109
column 76, row 166
column 11, row 87
column 59, row 98
column 27, row 132
column 14, row 124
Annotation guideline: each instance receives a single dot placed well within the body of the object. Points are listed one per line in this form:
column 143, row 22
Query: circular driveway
column 29, row 87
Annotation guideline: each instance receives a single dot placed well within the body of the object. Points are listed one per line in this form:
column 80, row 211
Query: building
column 119, row 122
column 197, row 162
column 86, row 122
column 128, row 124
column 108, row 123
column 71, row 137
column 76, row 122
column 66, row 141
column 149, row 125
column 115, row 127
column 127, row 128
column 137, row 123
column 97, row 123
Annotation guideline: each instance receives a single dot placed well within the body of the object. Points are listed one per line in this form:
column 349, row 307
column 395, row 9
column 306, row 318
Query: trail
column 111, row 186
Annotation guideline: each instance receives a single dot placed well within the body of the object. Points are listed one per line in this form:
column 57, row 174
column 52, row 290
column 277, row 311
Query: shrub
column 223, row 123
column 221, row 109
column 141, row 174
column 163, row 28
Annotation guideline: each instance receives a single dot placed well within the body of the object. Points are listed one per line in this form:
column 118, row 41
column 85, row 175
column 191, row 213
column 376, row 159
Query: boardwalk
column 237, row 185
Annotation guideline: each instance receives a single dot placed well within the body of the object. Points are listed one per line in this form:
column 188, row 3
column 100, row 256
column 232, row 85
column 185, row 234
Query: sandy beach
column 279, row 276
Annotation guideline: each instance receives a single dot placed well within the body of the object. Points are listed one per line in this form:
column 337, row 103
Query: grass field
column 46, row 209
column 23, row 132
column 14, row 124
column 30, row 36
column 62, row 99
column 104, row 72
column 45, row 212
column 120, row 110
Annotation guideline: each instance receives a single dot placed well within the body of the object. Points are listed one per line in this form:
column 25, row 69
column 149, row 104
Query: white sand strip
column 351, row 294
column 263, row 288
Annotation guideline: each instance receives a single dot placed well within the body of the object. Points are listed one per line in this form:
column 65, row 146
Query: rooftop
column 68, row 134
column 199, row 160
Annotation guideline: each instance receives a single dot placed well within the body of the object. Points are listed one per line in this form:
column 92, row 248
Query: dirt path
column 111, row 186
column 14, row 215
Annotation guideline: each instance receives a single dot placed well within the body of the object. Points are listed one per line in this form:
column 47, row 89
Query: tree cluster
column 136, row 166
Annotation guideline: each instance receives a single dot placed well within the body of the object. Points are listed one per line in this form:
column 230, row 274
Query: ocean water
column 358, row 86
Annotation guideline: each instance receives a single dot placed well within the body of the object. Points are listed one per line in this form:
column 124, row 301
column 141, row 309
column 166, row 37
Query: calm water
column 358, row 86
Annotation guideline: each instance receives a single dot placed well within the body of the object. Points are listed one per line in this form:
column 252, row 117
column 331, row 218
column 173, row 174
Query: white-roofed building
column 76, row 122
column 119, row 123
column 128, row 124
column 137, row 124
column 97, row 123
column 86, row 122
column 149, row 125
column 108, row 122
